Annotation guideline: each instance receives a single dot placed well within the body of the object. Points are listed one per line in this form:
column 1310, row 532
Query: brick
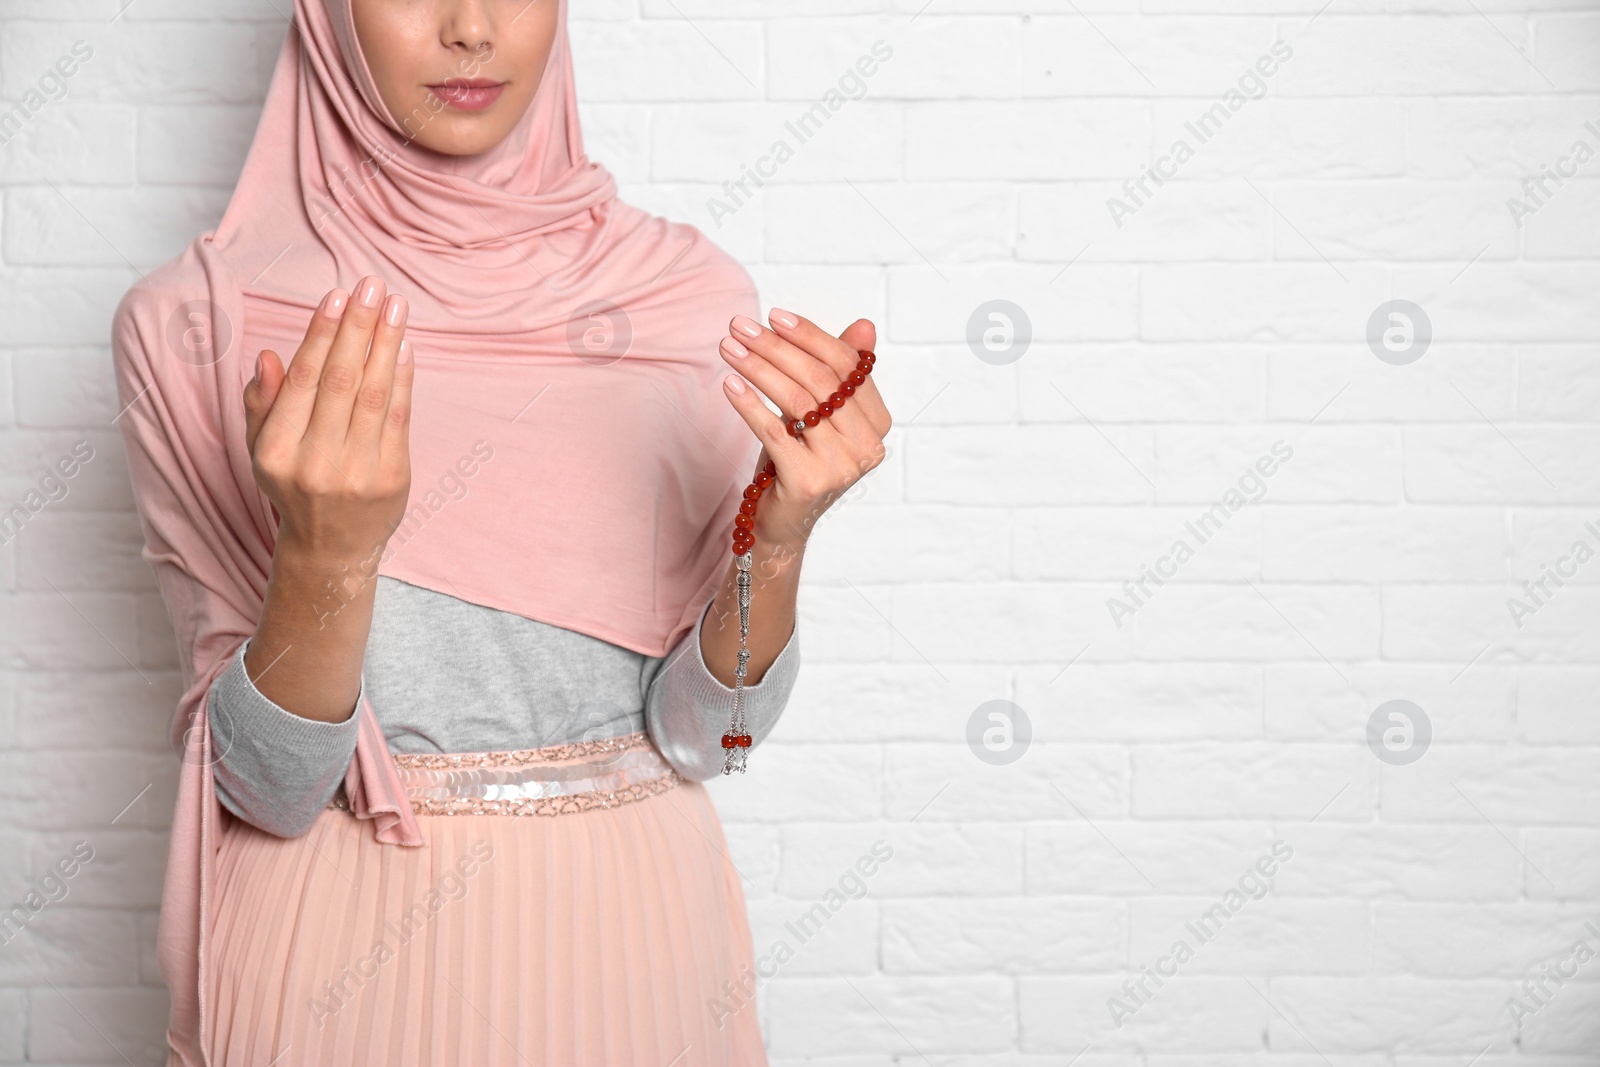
column 1253, row 780
column 1191, row 1013
column 1142, row 701
column 1372, row 1014
column 1475, row 940
column 1270, row 935
column 1466, row 862
column 1310, row 702
column 1091, row 139
column 935, row 58
column 127, row 1024
column 948, row 782
column 966, row 1014
column 1012, row 935
column 1140, row 857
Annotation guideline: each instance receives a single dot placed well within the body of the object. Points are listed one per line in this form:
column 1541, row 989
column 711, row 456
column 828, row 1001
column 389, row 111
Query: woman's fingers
column 343, row 369
column 371, row 407
column 291, row 409
column 259, row 394
column 768, row 428
column 395, row 444
column 792, row 398
column 816, row 377
column 807, row 338
column 815, row 374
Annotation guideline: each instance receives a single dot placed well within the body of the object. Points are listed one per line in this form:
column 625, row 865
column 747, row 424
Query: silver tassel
column 736, row 756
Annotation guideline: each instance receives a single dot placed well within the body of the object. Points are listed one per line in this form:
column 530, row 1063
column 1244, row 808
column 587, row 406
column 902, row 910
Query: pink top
column 574, row 333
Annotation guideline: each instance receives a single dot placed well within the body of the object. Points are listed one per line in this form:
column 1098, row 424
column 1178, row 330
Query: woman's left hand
column 798, row 365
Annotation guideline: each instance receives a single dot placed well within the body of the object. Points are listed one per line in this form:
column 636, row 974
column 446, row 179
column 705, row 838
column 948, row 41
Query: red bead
column 763, row 480
column 771, row 468
column 812, row 418
column 867, row 354
column 727, row 740
column 752, row 492
column 856, row 377
column 837, row 400
column 825, row 409
column 744, row 522
column 747, row 507
column 847, row 387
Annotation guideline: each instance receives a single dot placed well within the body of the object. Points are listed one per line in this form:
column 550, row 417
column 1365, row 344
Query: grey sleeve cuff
column 687, row 709
column 273, row 768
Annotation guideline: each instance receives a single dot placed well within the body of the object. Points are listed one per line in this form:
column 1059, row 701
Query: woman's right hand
column 329, row 438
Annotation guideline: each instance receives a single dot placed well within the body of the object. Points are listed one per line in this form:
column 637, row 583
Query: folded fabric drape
column 573, row 333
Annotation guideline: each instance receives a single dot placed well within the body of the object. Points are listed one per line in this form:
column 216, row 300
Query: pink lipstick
column 469, row 94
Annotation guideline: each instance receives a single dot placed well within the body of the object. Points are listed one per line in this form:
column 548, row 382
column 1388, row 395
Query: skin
column 411, row 45
column 329, row 437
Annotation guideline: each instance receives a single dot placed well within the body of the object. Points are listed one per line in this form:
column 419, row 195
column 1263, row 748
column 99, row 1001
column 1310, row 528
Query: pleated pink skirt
column 607, row 935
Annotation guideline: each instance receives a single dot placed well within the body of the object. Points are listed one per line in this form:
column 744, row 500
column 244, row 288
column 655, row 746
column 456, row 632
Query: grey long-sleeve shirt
column 445, row 675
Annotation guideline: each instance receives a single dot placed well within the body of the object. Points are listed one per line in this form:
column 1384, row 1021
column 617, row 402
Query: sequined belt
column 559, row 780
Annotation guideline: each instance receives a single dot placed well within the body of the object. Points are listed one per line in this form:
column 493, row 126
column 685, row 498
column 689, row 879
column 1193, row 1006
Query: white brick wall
column 1226, row 313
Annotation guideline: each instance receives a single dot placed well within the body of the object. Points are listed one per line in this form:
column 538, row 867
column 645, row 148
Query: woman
column 452, row 583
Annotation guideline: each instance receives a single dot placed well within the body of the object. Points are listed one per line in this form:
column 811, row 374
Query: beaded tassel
column 736, row 742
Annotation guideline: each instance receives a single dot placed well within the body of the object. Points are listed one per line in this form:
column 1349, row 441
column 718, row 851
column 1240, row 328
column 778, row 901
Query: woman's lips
column 469, row 95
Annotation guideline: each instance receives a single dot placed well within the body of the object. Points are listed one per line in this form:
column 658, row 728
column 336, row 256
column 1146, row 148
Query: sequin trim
column 559, row 780
column 564, row 805
column 521, row 756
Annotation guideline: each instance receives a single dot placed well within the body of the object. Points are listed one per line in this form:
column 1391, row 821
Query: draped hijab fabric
column 573, row 458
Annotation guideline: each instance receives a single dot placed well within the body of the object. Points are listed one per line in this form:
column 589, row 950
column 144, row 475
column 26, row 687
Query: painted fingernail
column 369, row 292
column 783, row 318
column 746, row 325
column 397, row 310
column 405, row 352
column 734, row 382
column 333, row 303
column 734, row 348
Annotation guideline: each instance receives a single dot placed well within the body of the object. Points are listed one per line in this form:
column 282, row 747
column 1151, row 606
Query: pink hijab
column 573, row 458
